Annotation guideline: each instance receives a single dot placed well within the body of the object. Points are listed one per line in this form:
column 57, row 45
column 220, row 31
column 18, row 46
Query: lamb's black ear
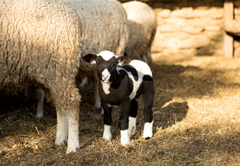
column 123, row 60
column 90, row 58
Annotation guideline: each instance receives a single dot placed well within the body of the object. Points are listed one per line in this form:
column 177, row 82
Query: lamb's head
column 106, row 64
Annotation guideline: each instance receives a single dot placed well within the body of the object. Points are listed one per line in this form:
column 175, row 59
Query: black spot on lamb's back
column 131, row 69
column 147, row 78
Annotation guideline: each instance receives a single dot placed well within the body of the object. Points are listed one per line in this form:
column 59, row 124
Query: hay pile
column 197, row 122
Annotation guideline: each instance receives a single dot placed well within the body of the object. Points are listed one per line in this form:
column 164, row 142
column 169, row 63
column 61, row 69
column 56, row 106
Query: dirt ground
column 197, row 121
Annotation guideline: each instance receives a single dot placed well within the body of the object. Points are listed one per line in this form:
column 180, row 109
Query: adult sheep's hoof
column 72, row 150
column 73, row 146
column 61, row 141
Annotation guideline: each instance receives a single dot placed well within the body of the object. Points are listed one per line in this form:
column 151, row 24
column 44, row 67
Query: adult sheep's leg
column 62, row 126
column 123, row 121
column 68, row 120
column 133, row 117
column 147, row 57
column 36, row 92
column 148, row 97
column 73, row 131
column 40, row 98
column 97, row 100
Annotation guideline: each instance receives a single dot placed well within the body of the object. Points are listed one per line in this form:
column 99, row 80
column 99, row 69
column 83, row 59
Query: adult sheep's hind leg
column 40, row 98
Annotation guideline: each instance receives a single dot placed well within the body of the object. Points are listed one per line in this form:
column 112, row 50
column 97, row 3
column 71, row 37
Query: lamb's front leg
column 107, row 121
column 123, row 121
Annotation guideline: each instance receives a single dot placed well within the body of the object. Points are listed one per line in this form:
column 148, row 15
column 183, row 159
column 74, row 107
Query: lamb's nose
column 105, row 76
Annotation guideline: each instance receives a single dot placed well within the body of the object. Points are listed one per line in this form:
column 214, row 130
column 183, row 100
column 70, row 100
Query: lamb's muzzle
column 105, row 75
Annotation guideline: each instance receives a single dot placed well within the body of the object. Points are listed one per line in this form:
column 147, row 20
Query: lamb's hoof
column 125, row 138
column 107, row 133
column 147, row 138
column 125, row 141
column 108, row 138
column 147, row 131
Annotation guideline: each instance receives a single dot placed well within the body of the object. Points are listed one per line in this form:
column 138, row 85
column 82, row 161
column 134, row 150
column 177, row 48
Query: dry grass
column 197, row 122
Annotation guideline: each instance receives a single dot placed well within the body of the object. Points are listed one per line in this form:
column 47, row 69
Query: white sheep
column 104, row 26
column 41, row 41
column 142, row 29
column 101, row 29
column 121, row 85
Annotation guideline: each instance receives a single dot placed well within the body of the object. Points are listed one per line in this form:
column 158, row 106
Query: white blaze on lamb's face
column 106, row 64
column 106, row 55
column 106, row 75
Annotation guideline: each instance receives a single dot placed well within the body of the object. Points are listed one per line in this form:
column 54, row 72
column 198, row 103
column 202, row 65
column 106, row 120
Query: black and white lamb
column 121, row 85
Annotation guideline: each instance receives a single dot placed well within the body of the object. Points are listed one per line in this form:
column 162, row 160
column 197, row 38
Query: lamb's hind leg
column 148, row 98
column 133, row 117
